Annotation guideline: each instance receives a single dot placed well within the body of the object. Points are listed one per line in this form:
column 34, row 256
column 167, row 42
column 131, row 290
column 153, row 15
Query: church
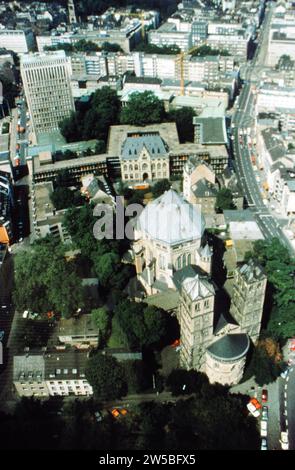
column 170, row 253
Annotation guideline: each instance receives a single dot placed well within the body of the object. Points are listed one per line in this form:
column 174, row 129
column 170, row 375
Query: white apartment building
column 16, row 40
column 236, row 44
column 51, row 374
column 271, row 97
column 281, row 42
column 153, row 65
column 223, row 28
column 46, row 79
column 168, row 35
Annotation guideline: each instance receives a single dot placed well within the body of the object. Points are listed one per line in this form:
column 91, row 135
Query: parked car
column 263, row 428
column 264, row 414
column 284, row 440
column 263, row 444
column 264, row 396
column 115, row 412
column 253, row 410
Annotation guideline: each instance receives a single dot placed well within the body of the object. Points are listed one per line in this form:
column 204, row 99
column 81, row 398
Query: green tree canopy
column 102, row 319
column 143, row 325
column 93, row 121
column 106, row 376
column 160, row 187
column 45, row 281
column 224, row 200
column 154, row 49
column 142, row 109
column 280, row 301
column 62, row 198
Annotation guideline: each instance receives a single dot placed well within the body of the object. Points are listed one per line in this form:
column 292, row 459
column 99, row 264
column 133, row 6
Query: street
column 243, row 118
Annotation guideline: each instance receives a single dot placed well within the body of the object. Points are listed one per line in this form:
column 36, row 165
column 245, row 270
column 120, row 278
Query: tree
column 224, row 200
column 143, row 325
column 111, row 47
column 266, row 362
column 208, row 50
column 45, row 281
column 142, row 109
column 86, row 46
column 69, row 128
column 160, row 187
column 94, row 120
column 106, row 376
column 279, row 268
column 101, row 319
column 184, row 122
column 62, row 198
column 106, row 266
column 154, row 49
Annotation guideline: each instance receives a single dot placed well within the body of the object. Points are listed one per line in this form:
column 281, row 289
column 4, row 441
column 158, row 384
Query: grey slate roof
column 133, row 146
column 273, row 143
column 230, row 347
column 194, row 281
column 67, row 365
column 29, row 367
column 252, row 271
column 204, row 188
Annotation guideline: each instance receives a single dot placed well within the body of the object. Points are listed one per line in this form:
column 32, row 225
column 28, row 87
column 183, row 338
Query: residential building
column 17, row 41
column 46, row 219
column 237, row 44
column 51, row 374
column 169, row 35
column 46, row 80
column 271, row 97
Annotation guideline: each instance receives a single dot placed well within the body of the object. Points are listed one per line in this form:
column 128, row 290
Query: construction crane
column 180, row 59
column 138, row 16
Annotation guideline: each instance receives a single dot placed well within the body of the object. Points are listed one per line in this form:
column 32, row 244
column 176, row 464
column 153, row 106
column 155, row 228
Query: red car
column 264, row 396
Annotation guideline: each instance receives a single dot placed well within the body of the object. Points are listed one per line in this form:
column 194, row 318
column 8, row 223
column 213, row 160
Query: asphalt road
column 244, row 118
column 289, row 406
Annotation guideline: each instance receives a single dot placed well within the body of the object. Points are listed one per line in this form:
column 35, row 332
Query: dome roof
column 171, row 219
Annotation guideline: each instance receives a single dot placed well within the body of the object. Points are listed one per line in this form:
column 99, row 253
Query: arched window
column 135, row 167
column 189, row 259
column 158, row 166
column 183, row 261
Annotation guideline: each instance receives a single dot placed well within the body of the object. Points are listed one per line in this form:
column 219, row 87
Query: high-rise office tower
column 46, row 80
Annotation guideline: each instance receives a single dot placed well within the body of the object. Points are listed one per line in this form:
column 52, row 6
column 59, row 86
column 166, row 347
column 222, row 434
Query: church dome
column 171, row 219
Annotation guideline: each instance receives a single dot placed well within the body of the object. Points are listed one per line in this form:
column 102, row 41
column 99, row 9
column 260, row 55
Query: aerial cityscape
column 147, row 226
